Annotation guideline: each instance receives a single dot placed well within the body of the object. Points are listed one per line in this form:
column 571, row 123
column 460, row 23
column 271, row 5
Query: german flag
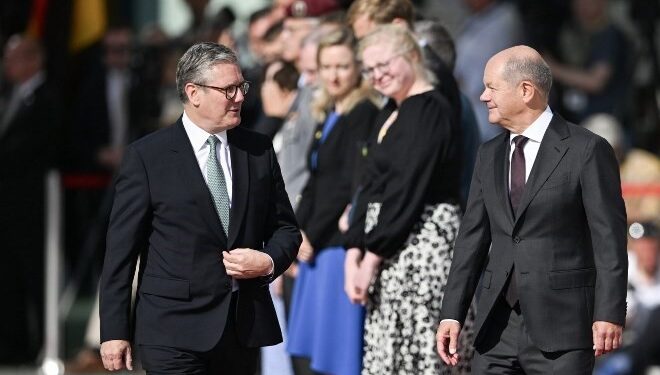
column 89, row 21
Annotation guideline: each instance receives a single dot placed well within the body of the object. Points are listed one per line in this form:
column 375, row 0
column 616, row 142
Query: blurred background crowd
column 84, row 78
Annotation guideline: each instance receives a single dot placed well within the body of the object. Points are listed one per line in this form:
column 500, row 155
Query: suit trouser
column 506, row 348
column 228, row 357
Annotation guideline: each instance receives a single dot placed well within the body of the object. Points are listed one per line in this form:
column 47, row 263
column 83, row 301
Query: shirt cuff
column 450, row 320
column 272, row 267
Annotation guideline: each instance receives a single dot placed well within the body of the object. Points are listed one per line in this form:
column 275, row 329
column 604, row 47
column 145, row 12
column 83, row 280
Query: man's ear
column 192, row 91
column 528, row 91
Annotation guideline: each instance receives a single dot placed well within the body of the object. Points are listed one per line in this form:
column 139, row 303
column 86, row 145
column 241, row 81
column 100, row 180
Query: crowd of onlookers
column 313, row 91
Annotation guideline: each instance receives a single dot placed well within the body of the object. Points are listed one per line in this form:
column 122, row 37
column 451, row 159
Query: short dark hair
column 259, row 14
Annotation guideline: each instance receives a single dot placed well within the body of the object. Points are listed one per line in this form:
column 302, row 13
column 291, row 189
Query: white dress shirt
column 198, row 139
column 535, row 133
column 20, row 94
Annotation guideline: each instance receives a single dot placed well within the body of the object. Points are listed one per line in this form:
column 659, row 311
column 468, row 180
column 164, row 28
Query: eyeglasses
column 229, row 91
column 383, row 67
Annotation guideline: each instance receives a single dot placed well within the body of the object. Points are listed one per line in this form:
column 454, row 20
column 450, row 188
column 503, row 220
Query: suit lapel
column 550, row 153
column 501, row 170
column 240, row 184
column 194, row 180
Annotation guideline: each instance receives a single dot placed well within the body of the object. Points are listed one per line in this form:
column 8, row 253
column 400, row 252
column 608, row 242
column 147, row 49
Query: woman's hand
column 306, row 251
column 365, row 276
column 351, row 268
column 343, row 220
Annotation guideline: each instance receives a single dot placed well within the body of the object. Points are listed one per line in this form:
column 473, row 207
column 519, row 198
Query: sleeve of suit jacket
column 127, row 237
column 606, row 218
column 470, row 251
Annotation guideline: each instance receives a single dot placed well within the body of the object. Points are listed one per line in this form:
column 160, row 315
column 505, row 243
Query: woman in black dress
column 407, row 214
column 321, row 314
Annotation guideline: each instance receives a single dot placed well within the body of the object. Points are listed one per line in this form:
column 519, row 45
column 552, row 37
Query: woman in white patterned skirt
column 406, row 216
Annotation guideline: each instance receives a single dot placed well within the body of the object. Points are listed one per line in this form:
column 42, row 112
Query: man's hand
column 306, row 250
column 447, row 341
column 607, row 337
column 116, row 354
column 246, row 263
column 351, row 268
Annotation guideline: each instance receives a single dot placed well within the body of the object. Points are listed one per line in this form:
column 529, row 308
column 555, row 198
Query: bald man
column 545, row 225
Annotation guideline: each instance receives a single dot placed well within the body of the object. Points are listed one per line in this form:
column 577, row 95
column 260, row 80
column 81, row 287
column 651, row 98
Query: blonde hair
column 381, row 11
column 323, row 102
column 400, row 40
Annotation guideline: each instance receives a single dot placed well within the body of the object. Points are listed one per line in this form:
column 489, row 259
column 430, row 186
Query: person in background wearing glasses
column 202, row 203
column 321, row 314
column 400, row 251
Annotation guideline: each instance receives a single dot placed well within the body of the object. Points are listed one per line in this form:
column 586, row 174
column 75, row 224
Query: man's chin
column 234, row 121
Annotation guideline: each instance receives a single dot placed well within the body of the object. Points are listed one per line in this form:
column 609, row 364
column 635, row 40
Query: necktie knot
column 213, row 140
column 520, row 141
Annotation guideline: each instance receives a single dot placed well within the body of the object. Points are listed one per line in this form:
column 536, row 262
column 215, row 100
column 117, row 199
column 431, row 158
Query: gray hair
column 434, row 35
column 532, row 69
column 197, row 61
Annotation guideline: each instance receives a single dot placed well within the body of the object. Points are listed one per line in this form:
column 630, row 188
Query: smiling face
column 389, row 70
column 502, row 98
column 338, row 70
column 209, row 108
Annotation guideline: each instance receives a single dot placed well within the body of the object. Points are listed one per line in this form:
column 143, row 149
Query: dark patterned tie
column 217, row 184
column 516, row 192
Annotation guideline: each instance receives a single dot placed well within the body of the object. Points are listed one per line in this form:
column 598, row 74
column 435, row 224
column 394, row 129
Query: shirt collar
column 536, row 130
column 26, row 88
column 199, row 136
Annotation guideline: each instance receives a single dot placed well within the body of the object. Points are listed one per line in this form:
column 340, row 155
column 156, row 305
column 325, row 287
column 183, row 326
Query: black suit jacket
column 567, row 241
column 328, row 189
column 163, row 211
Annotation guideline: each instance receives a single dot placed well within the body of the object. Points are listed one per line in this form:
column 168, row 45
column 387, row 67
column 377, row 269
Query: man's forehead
column 226, row 73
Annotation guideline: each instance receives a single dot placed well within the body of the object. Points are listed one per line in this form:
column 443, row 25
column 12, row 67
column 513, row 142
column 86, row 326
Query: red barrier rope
column 86, row 181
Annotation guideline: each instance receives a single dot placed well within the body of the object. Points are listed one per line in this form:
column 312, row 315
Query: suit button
column 516, row 239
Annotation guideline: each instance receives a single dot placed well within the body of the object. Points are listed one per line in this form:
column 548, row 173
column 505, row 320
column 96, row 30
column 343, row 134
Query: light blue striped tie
column 217, row 184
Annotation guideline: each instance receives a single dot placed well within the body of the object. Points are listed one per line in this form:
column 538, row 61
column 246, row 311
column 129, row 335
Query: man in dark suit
column 546, row 226
column 202, row 203
column 29, row 133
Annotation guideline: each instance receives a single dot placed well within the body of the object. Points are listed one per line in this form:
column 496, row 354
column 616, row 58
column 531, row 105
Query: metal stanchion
column 52, row 364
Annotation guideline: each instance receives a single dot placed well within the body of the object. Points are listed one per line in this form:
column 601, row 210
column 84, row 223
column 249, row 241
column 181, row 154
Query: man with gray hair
column 203, row 204
column 545, row 228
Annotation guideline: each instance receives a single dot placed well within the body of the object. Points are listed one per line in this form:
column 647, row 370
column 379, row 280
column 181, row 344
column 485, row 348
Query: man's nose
column 240, row 97
column 484, row 96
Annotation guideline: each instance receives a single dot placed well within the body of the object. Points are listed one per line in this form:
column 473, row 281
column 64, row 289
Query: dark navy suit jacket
column 163, row 212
